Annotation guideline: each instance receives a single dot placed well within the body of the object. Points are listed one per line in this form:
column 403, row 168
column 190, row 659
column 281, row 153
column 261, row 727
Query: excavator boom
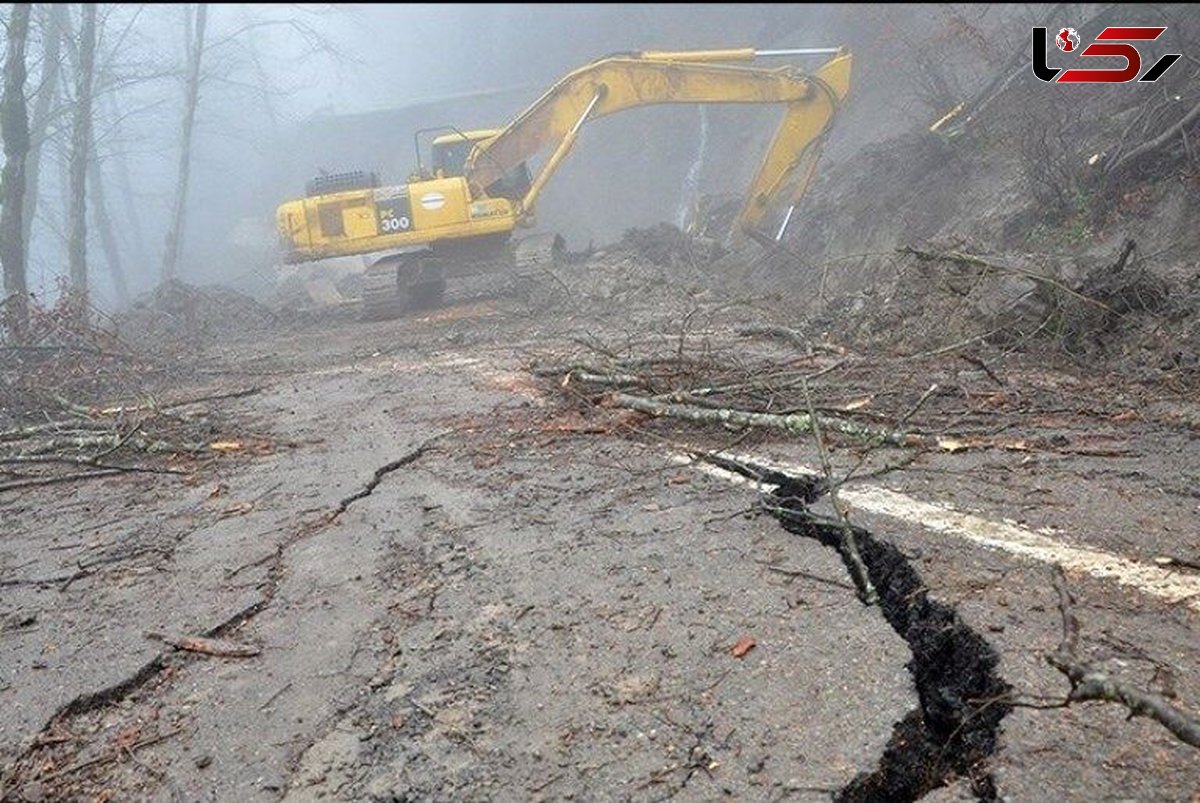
column 623, row 82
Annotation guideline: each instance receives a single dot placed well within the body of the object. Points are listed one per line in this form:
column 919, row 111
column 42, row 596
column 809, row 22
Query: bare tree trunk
column 54, row 25
column 192, row 96
column 81, row 138
column 14, row 127
column 108, row 240
column 264, row 82
column 135, row 240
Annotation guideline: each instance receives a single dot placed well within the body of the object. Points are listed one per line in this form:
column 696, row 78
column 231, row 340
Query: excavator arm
column 622, row 82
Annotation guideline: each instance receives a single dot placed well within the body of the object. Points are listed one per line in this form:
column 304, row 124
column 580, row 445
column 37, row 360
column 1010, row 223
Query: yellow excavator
column 462, row 209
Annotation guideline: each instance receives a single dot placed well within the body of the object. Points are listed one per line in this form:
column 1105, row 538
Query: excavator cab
column 449, row 160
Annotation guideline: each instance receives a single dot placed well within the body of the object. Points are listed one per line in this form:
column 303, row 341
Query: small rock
column 203, row 761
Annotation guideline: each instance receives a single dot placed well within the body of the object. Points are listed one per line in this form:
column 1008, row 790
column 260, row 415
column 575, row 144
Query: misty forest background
column 161, row 137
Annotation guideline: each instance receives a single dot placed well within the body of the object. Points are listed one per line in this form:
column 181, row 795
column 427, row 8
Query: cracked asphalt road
column 460, row 596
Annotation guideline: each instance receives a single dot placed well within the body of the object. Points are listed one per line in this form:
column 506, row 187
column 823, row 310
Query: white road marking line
column 1156, row 581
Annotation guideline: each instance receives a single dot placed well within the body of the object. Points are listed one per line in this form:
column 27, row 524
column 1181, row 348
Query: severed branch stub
column 1090, row 683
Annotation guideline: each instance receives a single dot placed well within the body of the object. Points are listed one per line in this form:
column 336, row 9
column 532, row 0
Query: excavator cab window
column 450, row 161
column 450, row 158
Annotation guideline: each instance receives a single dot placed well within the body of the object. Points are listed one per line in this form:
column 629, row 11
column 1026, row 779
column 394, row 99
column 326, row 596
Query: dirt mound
column 660, row 266
column 178, row 315
column 1083, row 307
column 668, row 246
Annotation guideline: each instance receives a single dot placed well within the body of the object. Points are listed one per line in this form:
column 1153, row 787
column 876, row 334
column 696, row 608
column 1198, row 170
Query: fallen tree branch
column 795, row 423
column 65, row 444
column 153, row 406
column 53, row 427
column 82, row 475
column 849, row 544
column 896, row 429
column 816, row 578
column 791, row 336
column 764, row 382
column 954, row 346
column 113, row 756
column 218, row 648
column 1091, row 683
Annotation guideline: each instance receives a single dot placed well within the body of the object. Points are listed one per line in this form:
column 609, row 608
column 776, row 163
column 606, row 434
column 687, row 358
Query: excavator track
column 401, row 283
column 509, row 272
column 383, row 295
column 533, row 257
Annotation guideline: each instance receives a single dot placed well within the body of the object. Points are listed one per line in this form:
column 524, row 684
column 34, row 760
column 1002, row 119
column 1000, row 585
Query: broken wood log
column 218, row 648
column 794, row 423
column 608, row 380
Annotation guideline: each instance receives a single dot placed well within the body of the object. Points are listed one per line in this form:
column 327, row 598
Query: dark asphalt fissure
column 962, row 698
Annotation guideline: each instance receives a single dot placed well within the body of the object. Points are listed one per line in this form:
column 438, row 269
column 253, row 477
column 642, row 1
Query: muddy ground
column 466, row 581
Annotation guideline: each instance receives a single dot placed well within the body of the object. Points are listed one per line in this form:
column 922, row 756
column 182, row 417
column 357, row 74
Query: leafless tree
column 936, row 43
column 195, row 31
column 1048, row 152
column 108, row 75
column 14, row 127
column 108, row 241
column 80, row 140
column 55, row 25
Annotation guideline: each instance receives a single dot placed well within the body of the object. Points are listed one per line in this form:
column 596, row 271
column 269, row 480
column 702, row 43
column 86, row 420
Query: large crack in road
column 962, row 699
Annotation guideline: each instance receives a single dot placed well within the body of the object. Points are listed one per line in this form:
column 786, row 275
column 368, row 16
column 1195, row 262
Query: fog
column 287, row 91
